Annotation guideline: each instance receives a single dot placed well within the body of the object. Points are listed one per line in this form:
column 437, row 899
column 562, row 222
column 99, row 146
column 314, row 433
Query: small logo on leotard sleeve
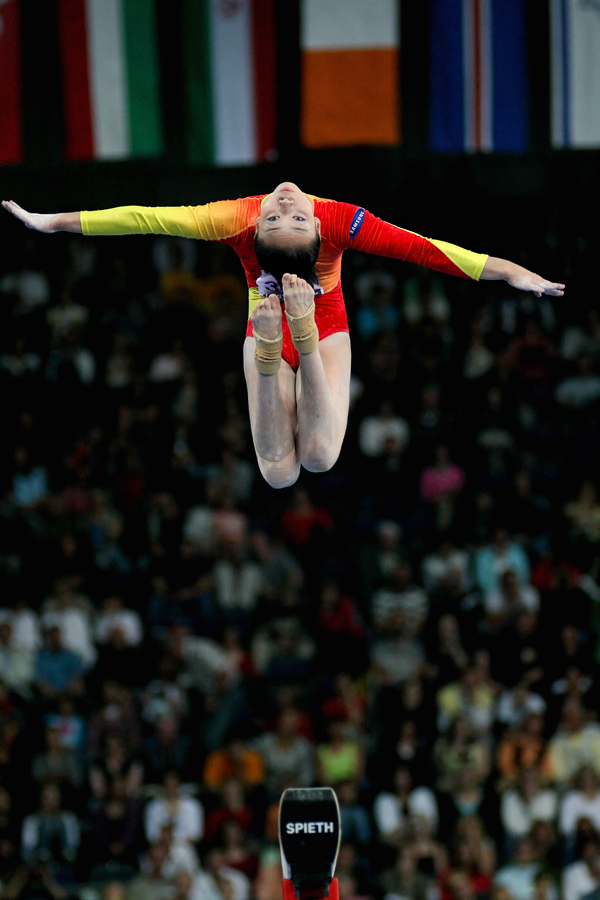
column 357, row 221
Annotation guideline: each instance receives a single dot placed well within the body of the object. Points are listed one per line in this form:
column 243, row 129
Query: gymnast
column 297, row 365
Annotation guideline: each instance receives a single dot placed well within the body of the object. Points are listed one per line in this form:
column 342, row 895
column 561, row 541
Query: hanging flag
column 350, row 73
column 110, row 79
column 478, row 76
column 230, row 62
column 11, row 136
column 575, row 65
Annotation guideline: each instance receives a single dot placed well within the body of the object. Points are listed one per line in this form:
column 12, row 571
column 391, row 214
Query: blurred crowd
column 179, row 643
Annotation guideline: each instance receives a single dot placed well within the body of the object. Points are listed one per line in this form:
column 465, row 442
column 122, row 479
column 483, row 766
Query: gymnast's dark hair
column 298, row 261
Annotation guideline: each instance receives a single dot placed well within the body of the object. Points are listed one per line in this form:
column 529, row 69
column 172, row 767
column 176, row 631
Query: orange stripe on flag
column 350, row 97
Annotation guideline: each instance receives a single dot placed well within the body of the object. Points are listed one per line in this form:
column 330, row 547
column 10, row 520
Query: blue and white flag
column 478, row 76
column 575, row 60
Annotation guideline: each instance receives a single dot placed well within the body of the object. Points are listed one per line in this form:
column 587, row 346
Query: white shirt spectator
column 128, row 623
column 579, row 390
column 187, row 819
column 375, row 431
column 206, row 888
column 198, row 528
column 25, row 628
column 575, row 805
column 514, row 706
column 412, row 603
column 76, row 632
column 518, row 814
column 237, row 587
column 495, row 602
column 577, row 881
column 32, row 288
column 389, row 815
column 441, row 569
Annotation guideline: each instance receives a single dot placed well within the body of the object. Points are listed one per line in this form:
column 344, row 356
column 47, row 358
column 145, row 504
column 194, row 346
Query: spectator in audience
column 524, row 805
column 287, row 756
column 51, row 835
column 185, row 814
column 392, row 811
column 57, row 670
column 576, row 744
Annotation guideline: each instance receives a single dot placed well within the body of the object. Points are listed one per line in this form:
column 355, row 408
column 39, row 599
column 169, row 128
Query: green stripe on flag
column 196, row 48
column 139, row 21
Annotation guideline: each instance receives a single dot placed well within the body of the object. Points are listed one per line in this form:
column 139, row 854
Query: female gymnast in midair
column 297, row 366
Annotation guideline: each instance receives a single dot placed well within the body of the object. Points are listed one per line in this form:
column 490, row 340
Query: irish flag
column 230, row 63
column 110, row 79
column 350, row 78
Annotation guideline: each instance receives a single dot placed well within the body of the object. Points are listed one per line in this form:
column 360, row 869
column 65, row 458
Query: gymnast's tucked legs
column 297, row 418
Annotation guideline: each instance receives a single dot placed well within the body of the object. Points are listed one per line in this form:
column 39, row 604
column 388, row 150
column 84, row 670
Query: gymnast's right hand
column 45, row 222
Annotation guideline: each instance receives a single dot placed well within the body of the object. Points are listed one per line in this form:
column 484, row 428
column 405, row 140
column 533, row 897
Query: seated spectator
column 17, row 665
column 522, row 749
column 504, row 603
column 397, row 657
column 167, row 749
column 440, row 485
column 519, row 874
column 237, row 853
column 525, row 804
column 115, row 615
column 580, row 390
column 287, row 756
column 24, row 625
column 232, row 808
column 116, row 715
column 581, row 803
column 375, row 431
column 283, row 651
column 30, row 482
column 471, row 698
column 115, row 761
column 584, row 514
column 581, row 878
column 181, row 857
column 576, row 744
column 235, row 760
column 461, row 749
column 405, row 879
column 448, row 655
column 58, row 763
column 516, row 705
column 237, row 579
column 57, row 671
column 71, row 612
column 447, row 569
column 218, row 881
column 152, row 883
column 400, row 595
column 185, row 814
column 342, row 628
column 356, row 824
column 466, row 797
column 501, row 556
column 340, row 758
column 51, row 835
column 392, row 811
column 116, row 828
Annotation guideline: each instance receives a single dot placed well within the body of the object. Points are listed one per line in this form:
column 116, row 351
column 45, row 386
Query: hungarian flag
column 350, row 73
column 110, row 79
column 575, row 63
column 230, row 67
column 478, row 76
column 11, row 136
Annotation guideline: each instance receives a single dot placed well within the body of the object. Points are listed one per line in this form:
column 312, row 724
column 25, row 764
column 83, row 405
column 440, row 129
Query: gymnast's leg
column 322, row 383
column 271, row 397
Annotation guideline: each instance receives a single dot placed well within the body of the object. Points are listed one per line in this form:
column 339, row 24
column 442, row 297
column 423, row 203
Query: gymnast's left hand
column 496, row 269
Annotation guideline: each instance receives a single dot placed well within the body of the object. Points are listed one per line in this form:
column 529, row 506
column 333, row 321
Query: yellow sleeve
column 210, row 222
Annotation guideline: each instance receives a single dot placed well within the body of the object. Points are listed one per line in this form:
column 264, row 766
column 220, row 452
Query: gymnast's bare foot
column 297, row 295
column 266, row 318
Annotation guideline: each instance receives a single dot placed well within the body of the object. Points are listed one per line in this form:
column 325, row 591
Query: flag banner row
column 112, row 97
column 210, row 68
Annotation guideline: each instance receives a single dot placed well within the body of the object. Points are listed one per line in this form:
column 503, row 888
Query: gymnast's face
column 287, row 217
